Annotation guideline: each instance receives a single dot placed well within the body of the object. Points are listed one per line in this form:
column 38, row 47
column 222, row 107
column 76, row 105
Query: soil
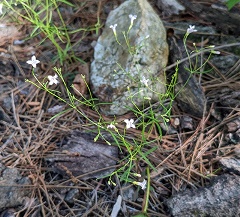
column 187, row 156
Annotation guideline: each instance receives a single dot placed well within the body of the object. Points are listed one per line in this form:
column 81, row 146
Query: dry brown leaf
column 25, row 49
column 79, row 86
column 81, row 80
column 84, row 70
column 8, row 33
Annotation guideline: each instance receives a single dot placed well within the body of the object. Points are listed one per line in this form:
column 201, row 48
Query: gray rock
column 83, row 157
column 220, row 199
column 224, row 63
column 231, row 164
column 8, row 213
column 170, row 7
column 71, row 195
column 12, row 191
column 115, row 73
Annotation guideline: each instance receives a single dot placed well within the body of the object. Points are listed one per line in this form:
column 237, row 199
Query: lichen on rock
column 117, row 70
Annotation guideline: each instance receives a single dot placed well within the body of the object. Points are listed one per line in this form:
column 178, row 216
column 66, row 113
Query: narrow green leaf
column 231, row 3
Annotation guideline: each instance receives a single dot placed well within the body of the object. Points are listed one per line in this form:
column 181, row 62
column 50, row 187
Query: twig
column 196, row 54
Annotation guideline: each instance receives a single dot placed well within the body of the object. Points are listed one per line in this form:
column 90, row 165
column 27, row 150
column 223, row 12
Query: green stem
column 147, row 192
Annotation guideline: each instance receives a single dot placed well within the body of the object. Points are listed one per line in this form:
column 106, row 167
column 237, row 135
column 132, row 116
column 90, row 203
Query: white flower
column 191, row 29
column 1, row 6
column 141, row 184
column 111, row 126
column 113, row 27
column 129, row 123
column 53, row 79
column 132, row 17
column 144, row 81
column 33, row 61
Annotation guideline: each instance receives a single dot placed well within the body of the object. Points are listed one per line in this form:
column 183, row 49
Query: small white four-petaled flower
column 132, row 17
column 113, row 27
column 53, row 79
column 191, row 29
column 33, row 62
column 144, row 81
column 129, row 123
column 141, row 184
